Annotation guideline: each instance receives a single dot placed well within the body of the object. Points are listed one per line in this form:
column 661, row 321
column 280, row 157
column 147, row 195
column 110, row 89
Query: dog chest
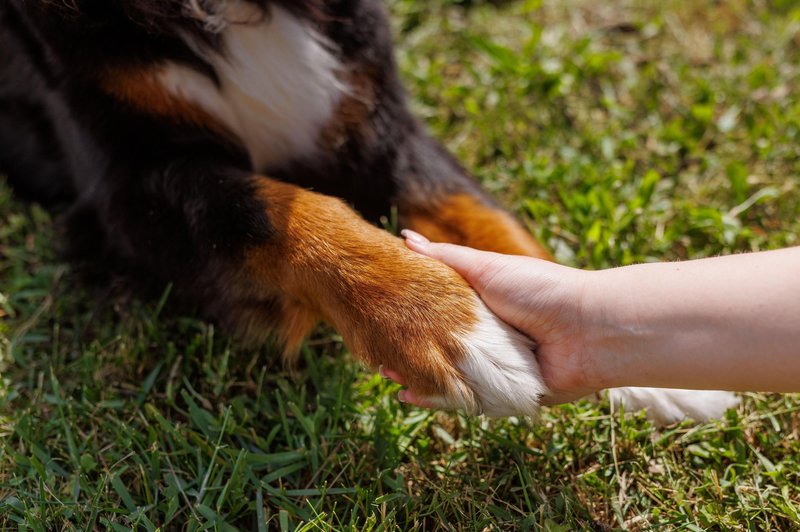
column 279, row 82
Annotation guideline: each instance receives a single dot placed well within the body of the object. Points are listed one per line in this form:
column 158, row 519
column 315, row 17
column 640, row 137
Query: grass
column 623, row 131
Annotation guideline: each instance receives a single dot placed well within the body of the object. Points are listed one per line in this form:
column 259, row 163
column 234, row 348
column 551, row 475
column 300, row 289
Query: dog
column 243, row 150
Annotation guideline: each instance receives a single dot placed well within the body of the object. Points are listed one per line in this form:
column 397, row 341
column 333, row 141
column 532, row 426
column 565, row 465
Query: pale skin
column 724, row 323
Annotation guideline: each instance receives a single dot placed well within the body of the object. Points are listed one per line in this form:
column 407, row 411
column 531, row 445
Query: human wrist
column 612, row 332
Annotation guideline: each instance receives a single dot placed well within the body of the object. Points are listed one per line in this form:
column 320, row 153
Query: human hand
column 538, row 298
column 662, row 325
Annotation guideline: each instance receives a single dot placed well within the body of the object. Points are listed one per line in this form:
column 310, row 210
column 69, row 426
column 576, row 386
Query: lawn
column 621, row 131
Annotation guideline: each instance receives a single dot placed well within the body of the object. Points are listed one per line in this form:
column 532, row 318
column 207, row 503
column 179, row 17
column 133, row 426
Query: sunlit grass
column 621, row 131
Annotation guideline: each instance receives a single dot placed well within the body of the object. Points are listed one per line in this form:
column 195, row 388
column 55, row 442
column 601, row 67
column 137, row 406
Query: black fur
column 164, row 202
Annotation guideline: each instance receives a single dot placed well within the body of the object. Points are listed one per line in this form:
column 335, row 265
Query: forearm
column 722, row 323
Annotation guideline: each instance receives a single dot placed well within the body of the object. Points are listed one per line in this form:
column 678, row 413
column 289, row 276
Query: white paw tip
column 500, row 374
column 666, row 405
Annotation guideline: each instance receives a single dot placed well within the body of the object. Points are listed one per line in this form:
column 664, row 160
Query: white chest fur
column 279, row 83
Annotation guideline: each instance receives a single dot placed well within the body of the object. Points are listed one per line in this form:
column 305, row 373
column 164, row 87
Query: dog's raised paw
column 420, row 319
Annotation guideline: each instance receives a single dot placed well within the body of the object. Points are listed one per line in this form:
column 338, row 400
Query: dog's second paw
column 666, row 405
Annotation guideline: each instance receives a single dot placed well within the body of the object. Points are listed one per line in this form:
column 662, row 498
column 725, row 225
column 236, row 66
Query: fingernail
column 414, row 238
column 401, row 395
column 381, row 372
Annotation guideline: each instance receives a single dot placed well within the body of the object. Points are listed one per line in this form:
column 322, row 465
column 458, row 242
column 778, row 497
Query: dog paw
column 666, row 405
column 425, row 323
column 393, row 308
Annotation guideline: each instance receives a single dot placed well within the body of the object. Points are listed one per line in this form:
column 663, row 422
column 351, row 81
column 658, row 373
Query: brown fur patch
column 391, row 306
column 140, row 88
column 462, row 219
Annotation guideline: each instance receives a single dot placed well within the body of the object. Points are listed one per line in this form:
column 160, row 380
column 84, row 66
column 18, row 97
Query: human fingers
column 477, row 267
column 405, row 396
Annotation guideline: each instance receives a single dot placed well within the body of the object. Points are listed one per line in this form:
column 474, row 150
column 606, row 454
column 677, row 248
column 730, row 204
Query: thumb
column 471, row 264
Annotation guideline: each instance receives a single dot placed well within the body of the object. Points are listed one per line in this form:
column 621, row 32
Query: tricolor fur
column 177, row 140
